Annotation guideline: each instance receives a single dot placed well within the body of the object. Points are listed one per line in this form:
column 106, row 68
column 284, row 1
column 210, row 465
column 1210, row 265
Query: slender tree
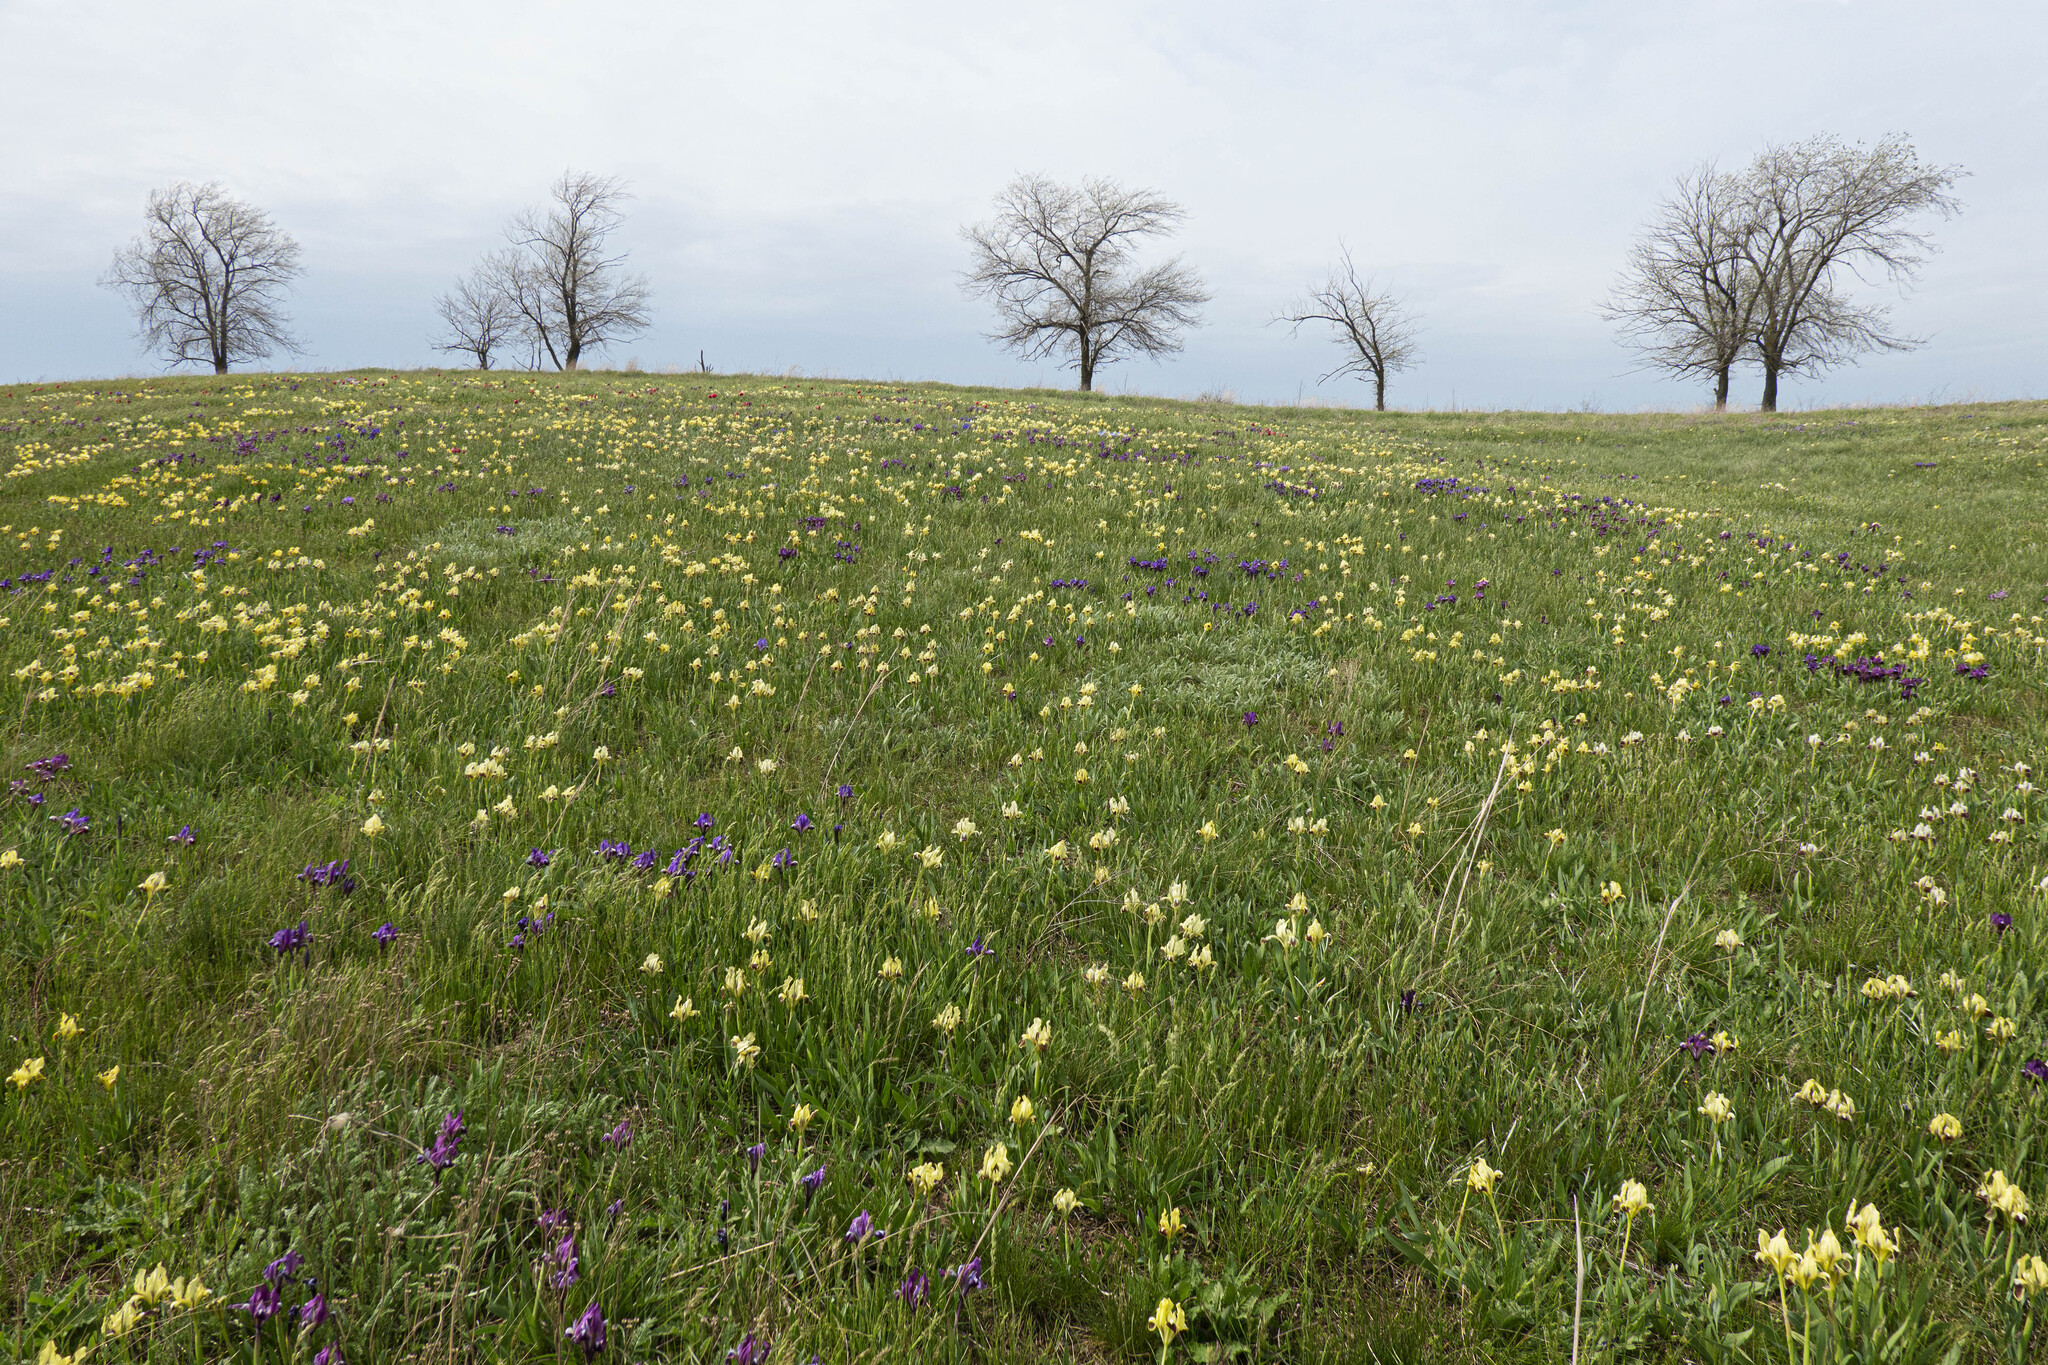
column 208, row 278
column 1688, row 296
column 569, row 290
column 478, row 315
column 1057, row 262
column 1818, row 208
column 1375, row 330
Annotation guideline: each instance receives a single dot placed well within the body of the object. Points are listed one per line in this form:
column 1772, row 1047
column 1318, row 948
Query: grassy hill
column 742, row 868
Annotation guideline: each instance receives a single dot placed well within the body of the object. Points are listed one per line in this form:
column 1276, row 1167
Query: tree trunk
column 1721, row 390
column 1379, row 393
column 220, row 366
column 1770, row 403
column 1087, row 370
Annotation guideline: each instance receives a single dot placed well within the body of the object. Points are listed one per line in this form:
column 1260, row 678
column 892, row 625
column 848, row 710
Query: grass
column 1308, row 811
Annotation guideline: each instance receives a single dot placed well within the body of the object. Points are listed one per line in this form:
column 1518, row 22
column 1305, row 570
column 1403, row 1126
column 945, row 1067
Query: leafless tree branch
column 569, row 294
column 479, row 314
column 208, row 277
column 1375, row 329
column 1057, row 263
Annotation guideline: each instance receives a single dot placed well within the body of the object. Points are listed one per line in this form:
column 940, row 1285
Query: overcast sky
column 802, row 169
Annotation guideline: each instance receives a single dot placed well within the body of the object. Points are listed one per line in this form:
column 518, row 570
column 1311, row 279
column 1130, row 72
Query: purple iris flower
column 614, row 1209
column 2036, row 1068
column 588, row 1330
column 1698, row 1045
column 813, row 1181
column 704, row 821
column 328, row 1355
column 754, row 1155
column 801, row 824
column 184, row 836
column 539, row 857
column 752, row 1350
column 783, row 859
column 565, row 1262
column 1251, row 718
column 264, row 1301
column 550, row 1219
column 2001, row 922
column 845, row 791
column 283, row 1268
column 287, row 940
column 1407, row 1002
column 969, row 1276
column 620, row 1137
column 74, row 821
column 384, row 933
column 314, row 1311
column 442, row 1154
column 863, row 1227
column 916, row 1288
column 979, row 948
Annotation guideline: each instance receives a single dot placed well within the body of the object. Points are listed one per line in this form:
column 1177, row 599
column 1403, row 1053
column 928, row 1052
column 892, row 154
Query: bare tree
column 208, row 277
column 479, row 314
column 569, row 294
column 1688, row 295
column 1816, row 208
column 1056, row 261
column 1376, row 331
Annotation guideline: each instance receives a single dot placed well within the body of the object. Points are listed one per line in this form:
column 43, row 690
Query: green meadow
column 703, row 868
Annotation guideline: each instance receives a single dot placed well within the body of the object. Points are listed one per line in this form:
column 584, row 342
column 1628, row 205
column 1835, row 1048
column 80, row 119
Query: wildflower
column 373, row 826
column 916, row 1287
column 588, row 1330
column 754, row 1155
column 684, row 1011
column 1168, row 1320
column 1724, row 1041
column 1012, row 811
column 109, row 1076
column 752, row 1350
column 892, row 969
column 1283, row 934
column 1944, row 1128
column 442, row 1154
column 1633, row 1199
column 1728, row 940
column 800, row 1118
column 792, row 992
column 1201, row 959
column 1813, row 1092
column 1170, row 1224
column 1716, row 1107
column 965, row 829
column 2029, row 1276
column 1065, row 1202
column 947, row 1019
column 2002, row 1196
column 930, row 856
column 888, row 842
column 1208, row 830
column 1194, row 926
column 995, row 1163
column 1315, row 935
column 1080, row 777
column 1058, row 852
column 735, row 982
column 187, row 1295
column 29, row 1070
column 1038, row 1035
column 652, row 965
column 1775, row 1252
column 1611, row 893
column 9, row 860
column 1556, row 837
column 122, row 1320
column 151, row 885
column 67, row 1027
column 744, row 1050
column 1134, row 984
column 1951, row 1041
column 863, row 1227
column 2001, row 1030
column 1840, row 1105
column 925, row 1176
column 152, row 1286
column 1096, row 973
column 967, row 1276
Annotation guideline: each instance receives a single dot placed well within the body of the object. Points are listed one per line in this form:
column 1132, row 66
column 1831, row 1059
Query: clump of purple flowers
column 967, row 1276
column 588, row 1330
column 329, row 874
column 442, row 1154
column 290, row 940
